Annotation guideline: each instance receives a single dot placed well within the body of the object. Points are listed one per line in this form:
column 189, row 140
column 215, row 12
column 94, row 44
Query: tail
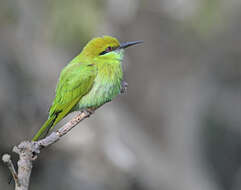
column 43, row 131
column 54, row 118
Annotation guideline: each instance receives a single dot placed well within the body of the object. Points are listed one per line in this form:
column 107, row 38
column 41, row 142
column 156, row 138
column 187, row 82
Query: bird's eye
column 108, row 49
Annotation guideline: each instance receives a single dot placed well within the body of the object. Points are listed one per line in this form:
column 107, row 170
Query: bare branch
column 7, row 160
column 28, row 151
column 55, row 136
column 26, row 156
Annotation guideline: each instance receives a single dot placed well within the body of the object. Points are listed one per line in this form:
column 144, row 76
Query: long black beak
column 127, row 44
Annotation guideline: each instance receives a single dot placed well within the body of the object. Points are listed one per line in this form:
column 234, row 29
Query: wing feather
column 75, row 81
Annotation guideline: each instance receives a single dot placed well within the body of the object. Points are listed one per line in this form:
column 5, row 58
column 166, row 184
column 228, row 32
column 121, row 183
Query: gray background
column 177, row 128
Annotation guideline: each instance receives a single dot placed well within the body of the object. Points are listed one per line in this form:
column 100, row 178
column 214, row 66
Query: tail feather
column 54, row 119
column 43, row 131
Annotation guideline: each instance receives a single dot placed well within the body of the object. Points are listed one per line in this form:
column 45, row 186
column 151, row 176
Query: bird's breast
column 106, row 86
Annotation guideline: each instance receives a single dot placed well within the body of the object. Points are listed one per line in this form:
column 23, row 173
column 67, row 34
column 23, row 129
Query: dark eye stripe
column 108, row 49
column 103, row 52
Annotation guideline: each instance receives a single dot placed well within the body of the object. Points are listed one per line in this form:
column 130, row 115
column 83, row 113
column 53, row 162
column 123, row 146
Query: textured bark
column 28, row 152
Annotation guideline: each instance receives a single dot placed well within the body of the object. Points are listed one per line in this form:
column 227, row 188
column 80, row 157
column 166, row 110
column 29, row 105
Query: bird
column 91, row 79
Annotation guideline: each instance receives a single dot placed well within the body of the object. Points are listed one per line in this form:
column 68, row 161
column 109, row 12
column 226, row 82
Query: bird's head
column 106, row 47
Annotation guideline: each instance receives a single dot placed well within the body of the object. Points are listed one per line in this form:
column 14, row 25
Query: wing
column 75, row 81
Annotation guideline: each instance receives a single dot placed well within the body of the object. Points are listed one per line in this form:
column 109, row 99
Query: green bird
column 91, row 79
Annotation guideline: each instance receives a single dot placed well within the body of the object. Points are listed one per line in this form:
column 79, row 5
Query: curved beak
column 128, row 44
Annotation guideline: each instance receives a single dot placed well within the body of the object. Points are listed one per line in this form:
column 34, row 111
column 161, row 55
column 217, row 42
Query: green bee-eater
column 91, row 79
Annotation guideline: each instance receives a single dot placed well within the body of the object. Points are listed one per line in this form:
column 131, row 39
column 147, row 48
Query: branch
column 7, row 160
column 55, row 136
column 28, row 151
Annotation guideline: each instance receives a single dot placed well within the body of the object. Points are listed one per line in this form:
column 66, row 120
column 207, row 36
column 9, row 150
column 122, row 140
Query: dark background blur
column 177, row 128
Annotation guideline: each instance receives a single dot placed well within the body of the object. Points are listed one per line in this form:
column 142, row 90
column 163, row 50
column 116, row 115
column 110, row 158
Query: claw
column 124, row 86
column 89, row 111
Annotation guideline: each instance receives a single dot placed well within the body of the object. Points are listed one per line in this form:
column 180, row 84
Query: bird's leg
column 89, row 111
column 124, row 86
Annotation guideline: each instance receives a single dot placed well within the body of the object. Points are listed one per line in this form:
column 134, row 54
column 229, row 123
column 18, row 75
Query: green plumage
column 91, row 79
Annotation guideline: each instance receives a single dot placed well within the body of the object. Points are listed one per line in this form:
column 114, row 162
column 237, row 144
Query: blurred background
column 179, row 125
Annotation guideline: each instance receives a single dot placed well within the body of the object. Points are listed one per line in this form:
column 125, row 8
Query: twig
column 7, row 160
column 28, row 151
column 55, row 136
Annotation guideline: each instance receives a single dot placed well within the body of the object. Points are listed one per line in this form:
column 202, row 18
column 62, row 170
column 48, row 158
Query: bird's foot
column 89, row 111
column 124, row 86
